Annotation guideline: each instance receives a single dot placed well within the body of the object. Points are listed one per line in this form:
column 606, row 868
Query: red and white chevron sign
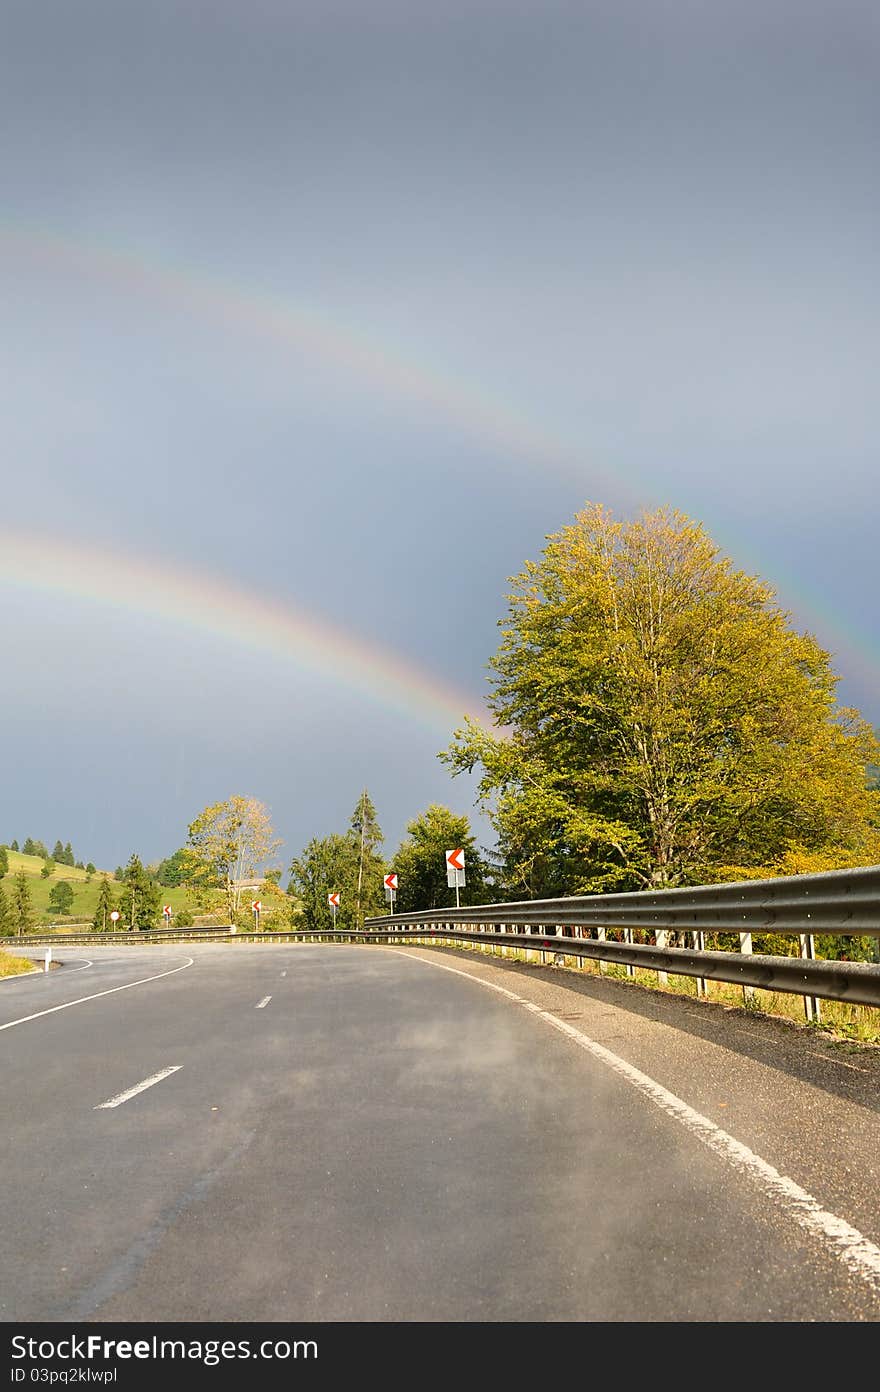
column 333, row 899
column 390, row 881
column 455, row 859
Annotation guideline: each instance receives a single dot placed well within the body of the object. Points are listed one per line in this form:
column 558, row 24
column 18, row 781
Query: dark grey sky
column 351, row 305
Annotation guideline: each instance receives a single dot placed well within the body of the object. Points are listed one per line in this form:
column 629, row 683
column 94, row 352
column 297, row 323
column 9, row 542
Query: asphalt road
column 351, row 1133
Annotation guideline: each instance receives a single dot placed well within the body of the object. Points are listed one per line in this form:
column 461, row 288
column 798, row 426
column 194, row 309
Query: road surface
column 360, row 1133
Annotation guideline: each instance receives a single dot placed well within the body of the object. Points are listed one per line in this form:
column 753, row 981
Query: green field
column 85, row 894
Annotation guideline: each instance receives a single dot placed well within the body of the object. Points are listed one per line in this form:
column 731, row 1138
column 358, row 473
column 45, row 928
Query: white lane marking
column 81, row 1000
column 260, row 1005
column 138, row 1087
column 82, row 968
column 856, row 1251
column 284, row 973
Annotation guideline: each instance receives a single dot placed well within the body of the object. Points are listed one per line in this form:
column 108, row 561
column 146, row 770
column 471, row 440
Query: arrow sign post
column 333, row 901
column 455, row 872
column 256, row 906
column 166, row 913
column 390, row 883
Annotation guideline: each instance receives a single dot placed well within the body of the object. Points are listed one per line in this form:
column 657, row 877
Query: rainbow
column 224, row 302
column 210, row 605
column 366, row 361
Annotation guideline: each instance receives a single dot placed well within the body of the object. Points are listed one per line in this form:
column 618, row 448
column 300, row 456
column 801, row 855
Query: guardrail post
column 699, row 940
column 661, row 937
column 811, row 1004
column 627, row 938
column 745, row 945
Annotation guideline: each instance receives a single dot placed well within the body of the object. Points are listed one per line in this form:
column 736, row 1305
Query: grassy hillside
column 85, row 895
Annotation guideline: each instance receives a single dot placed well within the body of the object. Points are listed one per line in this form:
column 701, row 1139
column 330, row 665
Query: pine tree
column 5, row 914
column 366, row 832
column 105, row 905
column 139, row 901
column 29, row 847
column 4, row 862
column 22, row 910
column 68, row 855
column 13, row 846
column 58, row 853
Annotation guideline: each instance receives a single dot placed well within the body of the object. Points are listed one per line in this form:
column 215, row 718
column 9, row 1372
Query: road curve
column 304, row 1133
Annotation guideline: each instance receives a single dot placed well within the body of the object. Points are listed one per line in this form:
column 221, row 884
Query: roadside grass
column 854, row 1024
column 14, row 966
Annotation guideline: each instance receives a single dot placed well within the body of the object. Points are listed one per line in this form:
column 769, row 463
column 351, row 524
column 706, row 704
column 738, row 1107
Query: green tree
column 365, row 831
column 68, row 856
column 172, row 872
column 662, row 723
column 5, row 915
column 29, row 847
column 21, row 912
column 139, row 900
column 13, row 846
column 227, row 845
column 105, row 905
column 119, row 874
column 58, row 853
column 90, row 868
column 326, row 864
column 4, row 862
column 420, row 862
column 61, row 897
column 47, row 869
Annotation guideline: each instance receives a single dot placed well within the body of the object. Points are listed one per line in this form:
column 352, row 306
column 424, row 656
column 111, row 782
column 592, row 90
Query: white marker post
column 48, row 961
column 455, row 873
column 333, row 900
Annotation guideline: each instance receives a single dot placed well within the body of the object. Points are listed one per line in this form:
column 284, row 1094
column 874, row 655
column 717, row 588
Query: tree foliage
column 104, row 907
column 61, row 897
column 420, row 862
column 349, row 862
column 4, row 862
column 662, row 721
column 21, row 910
column 227, row 844
column 5, row 914
column 139, row 900
column 365, row 830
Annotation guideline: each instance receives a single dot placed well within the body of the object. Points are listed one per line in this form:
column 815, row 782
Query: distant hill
column 85, row 893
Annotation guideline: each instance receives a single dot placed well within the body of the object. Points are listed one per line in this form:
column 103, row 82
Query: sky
column 317, row 318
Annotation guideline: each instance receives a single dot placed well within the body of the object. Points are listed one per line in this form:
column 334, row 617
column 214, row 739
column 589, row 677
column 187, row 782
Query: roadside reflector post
column 48, row 960
column 808, row 952
column 600, row 937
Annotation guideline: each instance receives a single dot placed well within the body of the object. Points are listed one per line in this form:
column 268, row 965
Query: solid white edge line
column 856, row 1251
column 81, row 1000
column 138, row 1087
column 260, row 1005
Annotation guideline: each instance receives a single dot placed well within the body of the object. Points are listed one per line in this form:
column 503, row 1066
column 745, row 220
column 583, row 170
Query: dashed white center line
column 264, row 1002
column 138, row 1087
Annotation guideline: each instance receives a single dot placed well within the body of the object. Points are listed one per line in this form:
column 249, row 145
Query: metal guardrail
column 839, row 902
